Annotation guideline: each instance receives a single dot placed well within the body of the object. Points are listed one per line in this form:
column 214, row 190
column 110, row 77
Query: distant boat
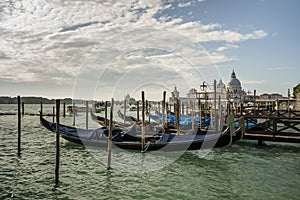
column 126, row 139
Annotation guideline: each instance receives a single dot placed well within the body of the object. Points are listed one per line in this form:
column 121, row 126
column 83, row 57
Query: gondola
column 127, row 139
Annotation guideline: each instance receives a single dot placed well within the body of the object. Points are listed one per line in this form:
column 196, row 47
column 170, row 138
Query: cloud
column 229, row 36
column 184, row 4
column 226, row 47
column 45, row 41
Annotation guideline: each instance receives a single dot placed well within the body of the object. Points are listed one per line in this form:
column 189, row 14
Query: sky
column 98, row 49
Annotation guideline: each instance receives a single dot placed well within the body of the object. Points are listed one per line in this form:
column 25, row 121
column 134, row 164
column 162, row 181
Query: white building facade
column 234, row 90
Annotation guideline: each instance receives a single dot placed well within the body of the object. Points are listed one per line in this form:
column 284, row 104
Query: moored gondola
column 127, row 139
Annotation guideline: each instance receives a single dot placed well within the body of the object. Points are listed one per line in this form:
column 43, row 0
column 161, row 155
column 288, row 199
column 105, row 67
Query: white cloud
column 184, row 4
column 226, row 47
column 48, row 40
column 229, row 36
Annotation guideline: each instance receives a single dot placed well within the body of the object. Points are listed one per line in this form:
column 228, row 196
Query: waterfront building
column 235, row 92
column 221, row 90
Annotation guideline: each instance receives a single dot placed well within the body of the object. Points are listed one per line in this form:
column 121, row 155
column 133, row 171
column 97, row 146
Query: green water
column 241, row 171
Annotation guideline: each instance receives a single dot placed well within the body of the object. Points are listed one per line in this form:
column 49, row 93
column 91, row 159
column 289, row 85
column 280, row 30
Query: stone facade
column 235, row 93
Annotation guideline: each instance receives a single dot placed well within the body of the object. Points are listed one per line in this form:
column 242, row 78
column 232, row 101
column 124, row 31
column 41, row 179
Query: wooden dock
column 279, row 128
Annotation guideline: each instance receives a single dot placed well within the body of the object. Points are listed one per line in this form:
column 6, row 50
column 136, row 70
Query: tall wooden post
column 221, row 115
column 200, row 115
column 138, row 111
column 215, row 105
column 64, row 110
column 242, row 125
column 143, row 120
column 148, row 111
column 218, row 127
column 288, row 106
column 109, row 143
column 42, row 108
column 125, row 104
column 163, row 112
column 57, row 143
column 74, row 113
column 19, row 125
column 23, row 112
column 159, row 112
column 105, row 114
column 229, row 122
column 53, row 113
column 193, row 116
column 177, row 115
column 167, row 109
column 254, row 103
column 86, row 115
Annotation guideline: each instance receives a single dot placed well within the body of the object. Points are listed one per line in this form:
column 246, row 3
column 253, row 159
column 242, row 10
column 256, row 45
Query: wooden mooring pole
column 64, row 110
column 57, row 143
column 109, row 142
column 138, row 111
column 23, row 112
column 254, row 103
column 53, row 113
column 125, row 104
column 19, row 125
column 177, row 115
column 87, row 115
column 163, row 112
column 73, row 113
column 148, row 110
column 105, row 114
column 143, row 120
column 41, row 108
column 193, row 115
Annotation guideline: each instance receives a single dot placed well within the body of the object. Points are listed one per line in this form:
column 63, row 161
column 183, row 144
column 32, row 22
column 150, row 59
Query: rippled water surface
column 241, row 171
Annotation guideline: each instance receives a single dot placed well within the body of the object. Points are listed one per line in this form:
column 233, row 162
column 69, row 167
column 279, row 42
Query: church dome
column 234, row 81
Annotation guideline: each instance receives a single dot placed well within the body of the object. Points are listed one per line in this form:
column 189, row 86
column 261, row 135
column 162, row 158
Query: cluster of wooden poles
column 57, row 111
column 145, row 106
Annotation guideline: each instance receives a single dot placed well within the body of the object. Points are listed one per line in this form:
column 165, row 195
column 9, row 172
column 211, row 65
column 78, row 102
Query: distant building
column 235, row 92
column 192, row 93
column 221, row 90
column 174, row 96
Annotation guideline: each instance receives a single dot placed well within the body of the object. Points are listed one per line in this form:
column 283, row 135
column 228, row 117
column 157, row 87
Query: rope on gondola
column 145, row 148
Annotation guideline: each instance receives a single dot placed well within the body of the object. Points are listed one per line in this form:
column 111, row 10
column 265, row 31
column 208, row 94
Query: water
column 242, row 171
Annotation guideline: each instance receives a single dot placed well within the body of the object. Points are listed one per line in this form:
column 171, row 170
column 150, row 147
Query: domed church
column 235, row 93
